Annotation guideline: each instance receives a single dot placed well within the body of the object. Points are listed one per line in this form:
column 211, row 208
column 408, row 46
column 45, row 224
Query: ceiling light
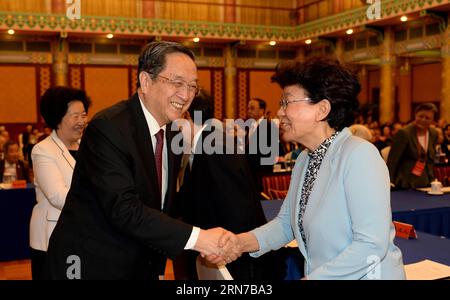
column 272, row 43
column 308, row 41
column 349, row 31
column 11, row 31
column 196, row 39
column 404, row 18
column 110, row 35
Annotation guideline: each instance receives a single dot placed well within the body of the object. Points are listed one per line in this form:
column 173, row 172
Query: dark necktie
column 158, row 156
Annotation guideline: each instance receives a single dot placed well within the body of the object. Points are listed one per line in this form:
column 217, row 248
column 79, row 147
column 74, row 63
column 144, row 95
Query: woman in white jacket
column 65, row 111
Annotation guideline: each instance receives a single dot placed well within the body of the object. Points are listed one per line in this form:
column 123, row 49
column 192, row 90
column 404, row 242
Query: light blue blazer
column 348, row 219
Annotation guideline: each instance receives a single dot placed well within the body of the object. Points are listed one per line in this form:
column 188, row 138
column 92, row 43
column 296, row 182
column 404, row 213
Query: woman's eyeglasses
column 284, row 102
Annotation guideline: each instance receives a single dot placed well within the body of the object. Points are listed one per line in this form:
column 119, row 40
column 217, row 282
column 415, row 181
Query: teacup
column 436, row 187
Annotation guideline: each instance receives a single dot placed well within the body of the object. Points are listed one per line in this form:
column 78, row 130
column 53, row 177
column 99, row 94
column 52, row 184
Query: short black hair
column 261, row 102
column 8, row 144
column 55, row 102
column 204, row 103
column 153, row 57
column 427, row 107
column 324, row 78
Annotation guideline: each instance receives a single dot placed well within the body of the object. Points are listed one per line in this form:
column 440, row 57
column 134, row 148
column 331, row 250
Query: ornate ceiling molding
column 358, row 17
column 143, row 27
column 228, row 31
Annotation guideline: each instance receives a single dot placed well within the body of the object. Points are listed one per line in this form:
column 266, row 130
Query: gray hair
column 153, row 57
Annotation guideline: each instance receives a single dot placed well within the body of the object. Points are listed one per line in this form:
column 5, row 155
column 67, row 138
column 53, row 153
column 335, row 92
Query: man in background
column 11, row 167
column 262, row 145
column 218, row 191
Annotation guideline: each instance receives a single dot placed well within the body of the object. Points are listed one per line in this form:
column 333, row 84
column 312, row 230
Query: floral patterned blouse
column 315, row 160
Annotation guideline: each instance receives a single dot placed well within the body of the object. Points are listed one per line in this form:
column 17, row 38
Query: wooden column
column 387, row 82
column 339, row 51
column 230, row 83
column 60, row 62
column 363, row 78
column 404, row 91
column 300, row 54
column 445, row 60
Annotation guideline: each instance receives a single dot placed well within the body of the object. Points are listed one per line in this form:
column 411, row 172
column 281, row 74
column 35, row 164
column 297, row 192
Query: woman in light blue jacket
column 338, row 204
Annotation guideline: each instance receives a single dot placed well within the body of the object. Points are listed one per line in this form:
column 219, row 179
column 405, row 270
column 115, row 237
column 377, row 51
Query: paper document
column 426, row 270
column 209, row 272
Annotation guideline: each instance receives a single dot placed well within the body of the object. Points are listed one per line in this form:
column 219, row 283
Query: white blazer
column 348, row 218
column 53, row 168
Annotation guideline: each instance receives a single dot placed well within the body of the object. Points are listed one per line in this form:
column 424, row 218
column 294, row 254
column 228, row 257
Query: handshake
column 219, row 246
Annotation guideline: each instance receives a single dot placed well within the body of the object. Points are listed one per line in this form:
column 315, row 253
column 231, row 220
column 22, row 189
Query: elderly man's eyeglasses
column 179, row 84
column 284, row 102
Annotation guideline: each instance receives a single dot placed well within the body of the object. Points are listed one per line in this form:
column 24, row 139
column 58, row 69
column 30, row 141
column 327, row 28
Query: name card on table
column 19, row 184
column 404, row 230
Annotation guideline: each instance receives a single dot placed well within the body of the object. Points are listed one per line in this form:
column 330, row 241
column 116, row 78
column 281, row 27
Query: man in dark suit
column 115, row 222
column 262, row 142
column 218, row 191
column 12, row 166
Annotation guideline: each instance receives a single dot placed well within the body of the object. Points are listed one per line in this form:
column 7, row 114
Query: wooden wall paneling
column 426, row 82
column 260, row 86
column 374, row 83
column 106, row 85
column 242, row 92
column 45, row 81
column 218, row 86
column 22, row 86
column 76, row 76
column 132, row 82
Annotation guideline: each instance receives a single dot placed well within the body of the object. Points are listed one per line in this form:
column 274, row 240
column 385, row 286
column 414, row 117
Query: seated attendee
column 445, row 146
column 11, row 167
column 2, row 143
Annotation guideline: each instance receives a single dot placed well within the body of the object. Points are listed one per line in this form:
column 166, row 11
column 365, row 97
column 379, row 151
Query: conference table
column 428, row 214
column 425, row 212
column 16, row 206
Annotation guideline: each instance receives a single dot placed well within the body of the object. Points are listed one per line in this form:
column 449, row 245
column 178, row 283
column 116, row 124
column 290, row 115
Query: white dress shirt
column 153, row 126
column 10, row 171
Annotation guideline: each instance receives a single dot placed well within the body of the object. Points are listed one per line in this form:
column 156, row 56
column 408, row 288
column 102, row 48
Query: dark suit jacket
column 22, row 170
column 404, row 155
column 112, row 218
column 262, row 137
column 218, row 191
